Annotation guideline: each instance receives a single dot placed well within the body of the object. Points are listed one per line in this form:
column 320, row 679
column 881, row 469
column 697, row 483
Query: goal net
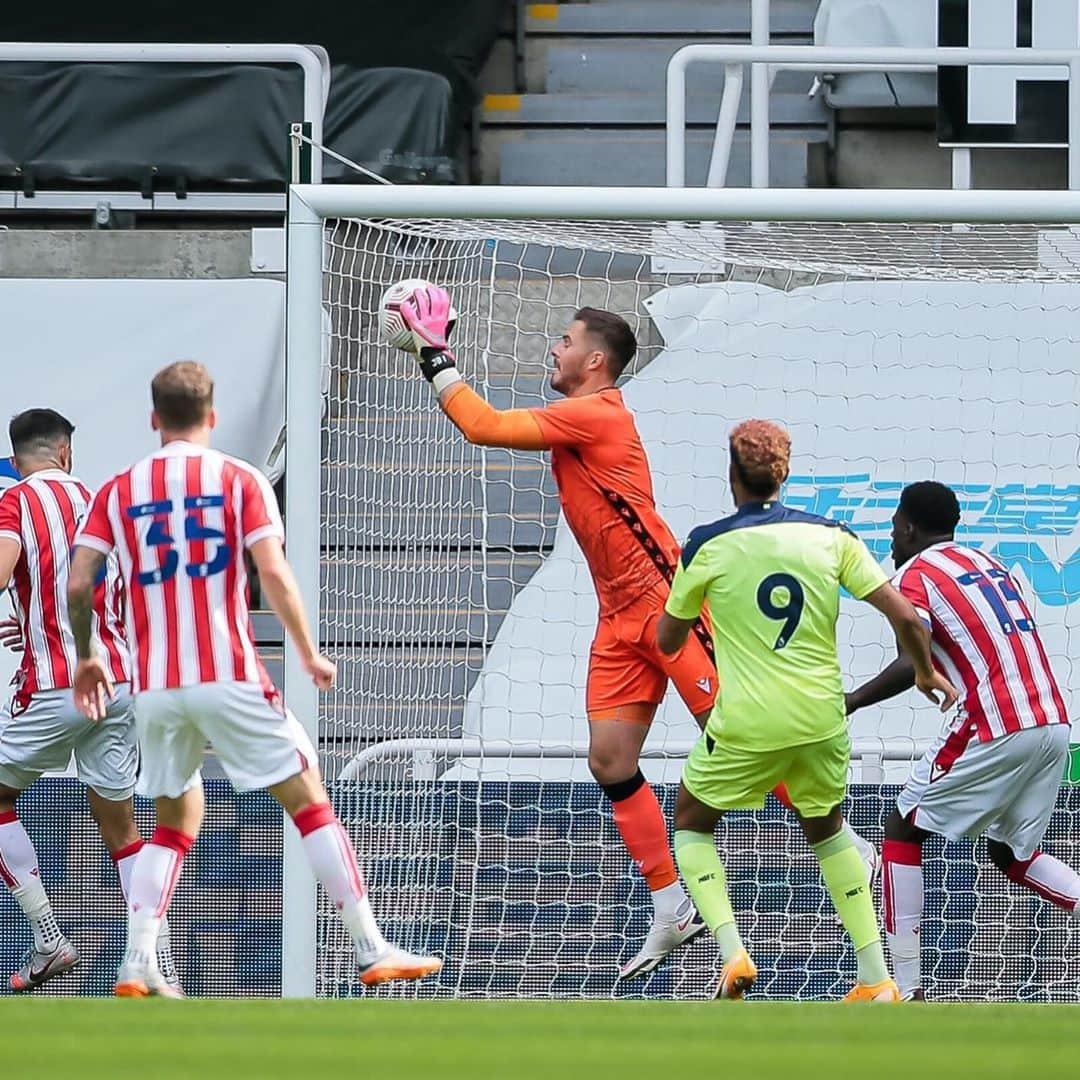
column 460, row 611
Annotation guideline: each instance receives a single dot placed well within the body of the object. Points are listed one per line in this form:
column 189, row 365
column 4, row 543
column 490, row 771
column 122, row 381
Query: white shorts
column 1006, row 788
column 258, row 743
column 43, row 736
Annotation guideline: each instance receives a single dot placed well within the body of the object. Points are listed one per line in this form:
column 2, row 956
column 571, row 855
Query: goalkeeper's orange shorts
column 626, row 666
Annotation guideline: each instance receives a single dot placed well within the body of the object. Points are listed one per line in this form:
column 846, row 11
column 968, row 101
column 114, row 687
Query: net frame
column 956, row 223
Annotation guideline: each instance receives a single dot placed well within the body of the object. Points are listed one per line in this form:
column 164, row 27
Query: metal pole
column 759, row 98
column 689, row 204
column 961, row 168
column 872, row 749
column 303, row 412
column 1074, row 125
column 675, row 130
column 725, row 126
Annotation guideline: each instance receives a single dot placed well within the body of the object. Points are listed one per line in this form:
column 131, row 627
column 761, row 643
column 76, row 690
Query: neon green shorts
column 732, row 778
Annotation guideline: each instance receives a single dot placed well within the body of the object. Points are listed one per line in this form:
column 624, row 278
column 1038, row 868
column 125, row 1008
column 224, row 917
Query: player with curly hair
column 771, row 577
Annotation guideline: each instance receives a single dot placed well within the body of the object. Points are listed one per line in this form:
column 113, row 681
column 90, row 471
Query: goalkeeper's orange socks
column 333, row 862
column 641, row 825
column 845, row 878
column 704, row 876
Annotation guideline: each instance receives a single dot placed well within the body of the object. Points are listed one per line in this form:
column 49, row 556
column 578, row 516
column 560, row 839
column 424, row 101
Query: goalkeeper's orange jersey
column 606, row 492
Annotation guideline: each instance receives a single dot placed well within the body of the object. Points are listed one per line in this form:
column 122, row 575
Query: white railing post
column 1074, row 124
column 725, row 126
column 675, row 130
column 759, row 98
column 961, row 168
column 424, row 753
column 303, row 486
column 766, row 59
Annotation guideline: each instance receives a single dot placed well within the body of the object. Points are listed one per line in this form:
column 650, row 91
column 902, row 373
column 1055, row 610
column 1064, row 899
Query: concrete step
column 632, row 157
column 665, row 17
column 590, row 64
column 636, row 110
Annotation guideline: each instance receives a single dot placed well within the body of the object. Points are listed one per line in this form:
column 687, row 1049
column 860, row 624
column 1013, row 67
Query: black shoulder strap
column 649, row 545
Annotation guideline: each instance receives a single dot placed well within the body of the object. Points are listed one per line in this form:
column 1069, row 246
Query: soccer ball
column 392, row 328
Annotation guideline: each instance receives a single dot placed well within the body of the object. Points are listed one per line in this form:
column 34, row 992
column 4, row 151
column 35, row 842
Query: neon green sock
column 845, row 878
column 703, row 873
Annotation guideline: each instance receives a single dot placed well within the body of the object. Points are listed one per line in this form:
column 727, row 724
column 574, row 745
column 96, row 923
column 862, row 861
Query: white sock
column 150, row 891
column 18, row 859
column 333, row 863
column 143, row 929
column 903, row 894
column 19, row 871
column 125, row 866
column 34, row 902
column 867, row 851
column 668, row 900
column 163, row 950
column 1051, row 879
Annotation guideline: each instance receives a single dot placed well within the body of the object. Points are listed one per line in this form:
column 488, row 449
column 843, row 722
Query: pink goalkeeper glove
column 428, row 314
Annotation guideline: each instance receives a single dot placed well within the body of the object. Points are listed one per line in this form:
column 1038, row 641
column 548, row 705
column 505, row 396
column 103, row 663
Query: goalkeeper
column 772, row 577
column 606, row 493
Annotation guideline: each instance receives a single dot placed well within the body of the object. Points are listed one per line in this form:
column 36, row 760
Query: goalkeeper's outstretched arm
column 426, row 313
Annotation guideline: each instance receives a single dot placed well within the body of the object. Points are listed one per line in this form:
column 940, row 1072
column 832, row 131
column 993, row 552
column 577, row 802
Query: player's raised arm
column 427, row 314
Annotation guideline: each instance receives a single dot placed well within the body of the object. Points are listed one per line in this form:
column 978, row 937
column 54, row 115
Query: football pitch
column 527, row 1040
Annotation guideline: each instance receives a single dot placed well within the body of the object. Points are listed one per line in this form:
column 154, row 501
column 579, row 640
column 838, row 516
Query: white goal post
column 901, row 335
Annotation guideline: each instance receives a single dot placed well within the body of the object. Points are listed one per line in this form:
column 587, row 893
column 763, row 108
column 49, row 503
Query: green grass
column 526, row 1040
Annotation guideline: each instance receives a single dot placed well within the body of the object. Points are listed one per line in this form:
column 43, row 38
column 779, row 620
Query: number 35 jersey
column 771, row 577
column 983, row 640
column 180, row 520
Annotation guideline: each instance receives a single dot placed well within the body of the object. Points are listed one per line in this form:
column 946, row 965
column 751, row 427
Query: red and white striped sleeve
column 11, row 516
column 96, row 530
column 260, row 516
column 912, row 586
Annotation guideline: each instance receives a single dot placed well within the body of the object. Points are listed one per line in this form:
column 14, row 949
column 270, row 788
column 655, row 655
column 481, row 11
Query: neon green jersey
column 771, row 577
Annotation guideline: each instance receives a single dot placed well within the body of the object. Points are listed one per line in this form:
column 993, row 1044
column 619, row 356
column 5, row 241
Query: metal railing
column 766, row 60
column 312, row 60
column 871, row 753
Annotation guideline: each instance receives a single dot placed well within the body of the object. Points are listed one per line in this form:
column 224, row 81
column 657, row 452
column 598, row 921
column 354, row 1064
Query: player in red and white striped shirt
column 180, row 521
column 997, row 765
column 40, row 728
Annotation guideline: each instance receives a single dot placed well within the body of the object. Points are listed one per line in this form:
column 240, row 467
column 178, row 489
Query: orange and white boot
column 736, row 978
column 886, row 991
column 396, row 963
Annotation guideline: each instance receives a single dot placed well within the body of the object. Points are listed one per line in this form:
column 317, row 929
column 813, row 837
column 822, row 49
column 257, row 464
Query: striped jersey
column 41, row 514
column 983, row 640
column 180, row 520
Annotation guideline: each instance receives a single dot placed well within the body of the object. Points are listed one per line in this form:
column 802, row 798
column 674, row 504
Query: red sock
column 641, row 825
column 1049, row 877
column 780, row 792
